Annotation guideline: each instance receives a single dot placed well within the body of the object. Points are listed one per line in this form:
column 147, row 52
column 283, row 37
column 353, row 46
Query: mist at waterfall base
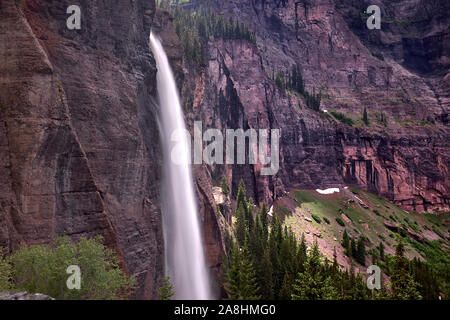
column 184, row 256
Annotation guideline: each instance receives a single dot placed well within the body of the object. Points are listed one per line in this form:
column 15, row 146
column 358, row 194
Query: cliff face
column 405, row 158
column 79, row 144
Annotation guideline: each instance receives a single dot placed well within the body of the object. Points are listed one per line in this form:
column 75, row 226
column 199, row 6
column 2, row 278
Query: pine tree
column 381, row 251
column 249, row 217
column 345, row 243
column 264, row 221
column 354, row 250
column 302, row 256
column 361, row 250
column 241, row 227
column 240, row 277
column 286, row 288
column 266, row 277
column 241, row 198
column 365, row 117
column 335, row 267
column 313, row 284
column 403, row 285
column 166, row 292
column 224, row 185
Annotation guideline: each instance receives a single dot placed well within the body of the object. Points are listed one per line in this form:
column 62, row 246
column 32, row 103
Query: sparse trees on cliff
column 365, row 118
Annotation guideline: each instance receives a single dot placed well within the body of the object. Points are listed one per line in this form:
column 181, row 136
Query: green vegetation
column 166, row 292
column 196, row 28
column 224, row 185
column 368, row 213
column 365, row 117
column 314, row 283
column 382, row 119
column 42, row 269
column 241, row 277
column 316, row 218
column 266, row 260
column 269, row 263
column 327, row 221
column 340, row 221
column 293, row 81
column 354, row 249
column 342, row 118
column 403, row 285
column 5, row 275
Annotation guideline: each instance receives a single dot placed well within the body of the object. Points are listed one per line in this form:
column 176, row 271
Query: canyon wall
column 79, row 143
column 403, row 155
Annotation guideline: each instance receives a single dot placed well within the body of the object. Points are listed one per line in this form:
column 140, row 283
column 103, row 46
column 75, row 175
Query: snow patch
column 270, row 211
column 328, row 191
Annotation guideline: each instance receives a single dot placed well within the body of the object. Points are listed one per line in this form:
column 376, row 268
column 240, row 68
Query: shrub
column 377, row 212
column 42, row 269
column 326, row 220
column 316, row 217
column 5, row 274
column 340, row 221
column 342, row 118
column 166, row 292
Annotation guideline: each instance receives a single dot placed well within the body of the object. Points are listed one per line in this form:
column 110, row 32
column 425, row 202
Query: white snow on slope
column 328, row 191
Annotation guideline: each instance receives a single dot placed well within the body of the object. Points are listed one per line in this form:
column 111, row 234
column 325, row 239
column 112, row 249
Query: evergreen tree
column 241, row 227
column 361, row 250
column 249, row 217
column 354, row 250
column 346, row 242
column 365, row 117
column 224, row 185
column 264, row 221
column 335, row 267
column 313, row 284
column 241, row 278
column 241, row 198
column 166, row 292
column 286, row 288
column 403, row 285
column 381, row 251
column 302, row 254
column 266, row 277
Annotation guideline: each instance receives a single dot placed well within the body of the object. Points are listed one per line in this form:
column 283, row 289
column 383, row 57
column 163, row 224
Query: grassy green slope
column 362, row 213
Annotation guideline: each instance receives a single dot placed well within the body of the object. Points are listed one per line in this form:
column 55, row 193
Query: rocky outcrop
column 79, row 144
column 23, row 296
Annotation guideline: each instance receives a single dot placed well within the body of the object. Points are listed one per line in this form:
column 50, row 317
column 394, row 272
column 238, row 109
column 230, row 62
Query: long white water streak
column 185, row 261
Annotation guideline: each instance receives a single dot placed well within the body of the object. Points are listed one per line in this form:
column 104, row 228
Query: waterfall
column 184, row 257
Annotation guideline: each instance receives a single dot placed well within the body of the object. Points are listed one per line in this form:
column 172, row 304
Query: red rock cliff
column 79, row 145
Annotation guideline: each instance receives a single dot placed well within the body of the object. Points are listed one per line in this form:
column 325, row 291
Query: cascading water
column 185, row 261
